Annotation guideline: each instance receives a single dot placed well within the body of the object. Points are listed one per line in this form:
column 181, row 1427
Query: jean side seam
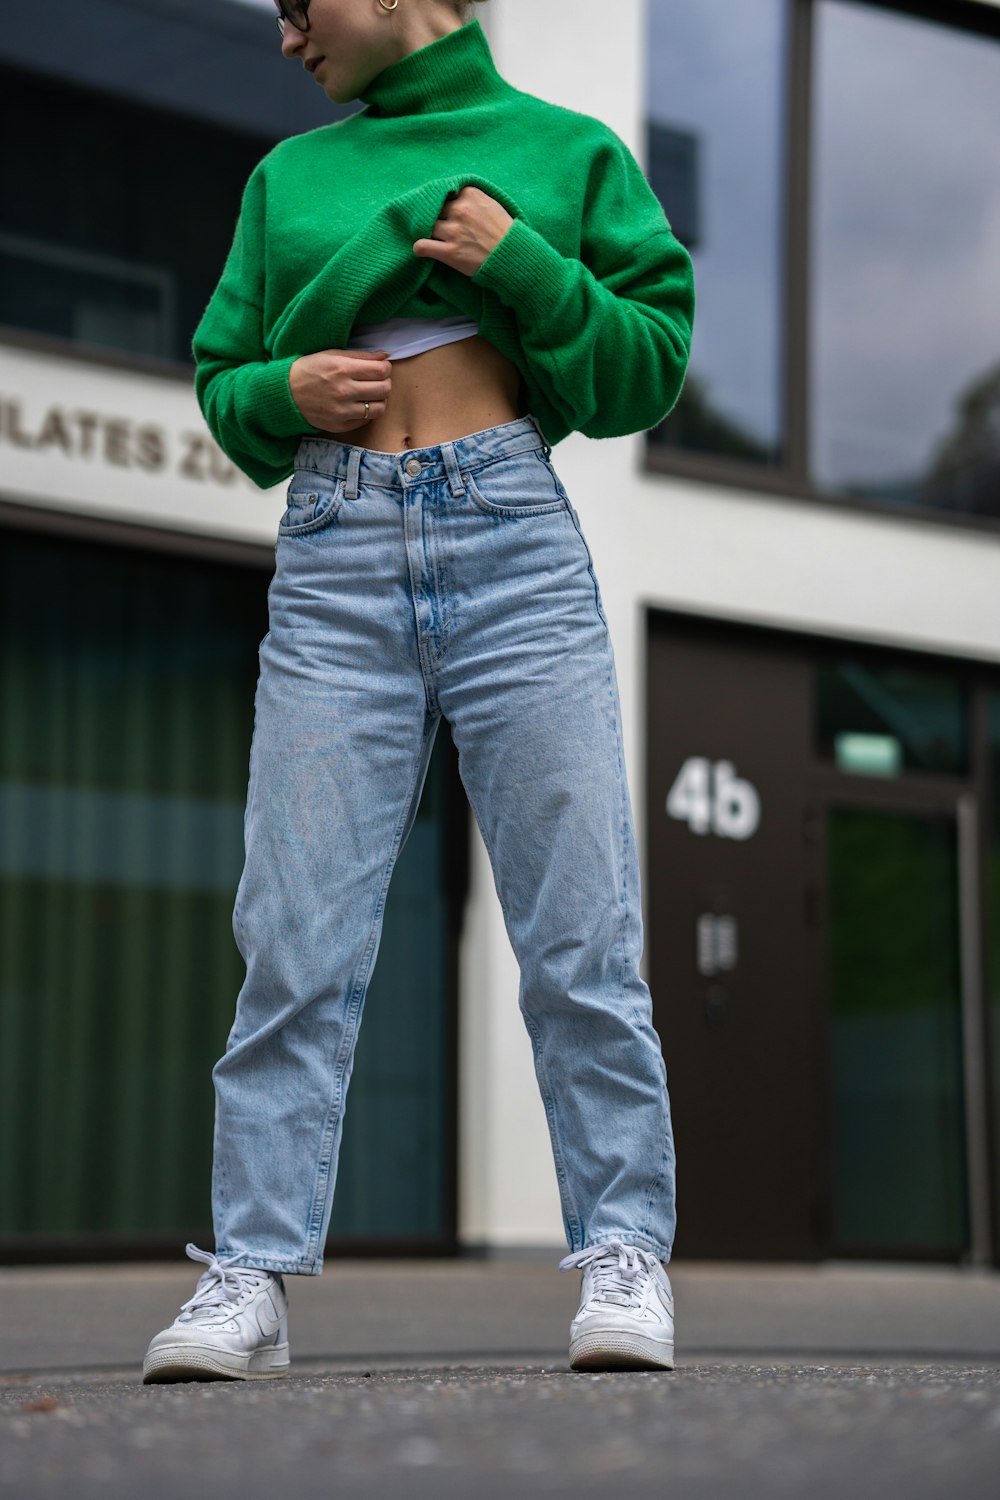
column 616, row 730
column 619, row 741
column 590, row 561
column 572, row 1223
column 321, row 1185
column 654, row 1185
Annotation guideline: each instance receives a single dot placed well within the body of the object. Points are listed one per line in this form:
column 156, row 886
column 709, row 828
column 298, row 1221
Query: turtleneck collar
column 455, row 71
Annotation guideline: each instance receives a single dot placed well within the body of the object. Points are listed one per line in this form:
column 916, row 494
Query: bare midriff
column 441, row 395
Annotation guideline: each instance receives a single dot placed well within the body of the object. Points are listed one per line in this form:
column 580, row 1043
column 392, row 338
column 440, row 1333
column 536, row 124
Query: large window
column 114, row 227
column 993, row 938
column 831, row 165
column 118, row 205
column 714, row 143
column 905, row 380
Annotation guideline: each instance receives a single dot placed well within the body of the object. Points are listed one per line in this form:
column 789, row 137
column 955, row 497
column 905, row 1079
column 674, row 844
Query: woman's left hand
column 470, row 225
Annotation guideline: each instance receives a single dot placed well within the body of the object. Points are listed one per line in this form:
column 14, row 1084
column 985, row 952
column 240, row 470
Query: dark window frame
column 790, row 480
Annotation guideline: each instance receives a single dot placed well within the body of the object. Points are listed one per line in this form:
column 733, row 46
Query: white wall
column 578, row 57
column 678, row 544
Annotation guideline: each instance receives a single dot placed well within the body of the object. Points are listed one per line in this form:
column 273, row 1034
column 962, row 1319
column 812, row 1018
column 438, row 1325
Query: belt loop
column 451, row 467
column 537, row 425
column 353, row 466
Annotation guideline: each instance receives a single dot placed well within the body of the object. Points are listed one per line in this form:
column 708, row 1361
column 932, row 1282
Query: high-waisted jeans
column 449, row 580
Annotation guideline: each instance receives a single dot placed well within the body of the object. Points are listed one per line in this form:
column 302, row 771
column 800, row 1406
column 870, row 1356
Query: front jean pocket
column 516, row 487
column 312, row 502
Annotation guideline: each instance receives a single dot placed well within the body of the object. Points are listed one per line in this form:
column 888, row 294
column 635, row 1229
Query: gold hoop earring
column 388, row 7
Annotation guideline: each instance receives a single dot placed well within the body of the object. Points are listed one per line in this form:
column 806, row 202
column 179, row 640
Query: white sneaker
column 235, row 1327
column 626, row 1316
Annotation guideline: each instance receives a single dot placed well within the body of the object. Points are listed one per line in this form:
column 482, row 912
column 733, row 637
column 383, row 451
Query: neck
column 455, row 71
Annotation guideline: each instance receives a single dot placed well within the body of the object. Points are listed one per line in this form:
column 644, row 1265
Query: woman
column 419, row 302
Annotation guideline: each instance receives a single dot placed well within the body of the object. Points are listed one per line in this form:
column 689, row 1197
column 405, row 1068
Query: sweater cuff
column 269, row 398
column 524, row 270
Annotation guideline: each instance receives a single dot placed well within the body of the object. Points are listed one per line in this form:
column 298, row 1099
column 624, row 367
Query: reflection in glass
column 992, row 924
column 127, row 690
column 73, row 294
column 99, row 246
column 897, row 1087
column 906, row 246
column 925, row 714
column 714, row 90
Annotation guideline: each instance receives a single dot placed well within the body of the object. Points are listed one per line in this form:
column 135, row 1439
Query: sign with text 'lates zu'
column 123, row 445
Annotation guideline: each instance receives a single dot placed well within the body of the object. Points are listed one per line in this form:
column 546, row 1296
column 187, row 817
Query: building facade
column 801, row 572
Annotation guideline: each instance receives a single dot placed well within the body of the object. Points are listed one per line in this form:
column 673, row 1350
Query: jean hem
column 629, row 1237
column 247, row 1259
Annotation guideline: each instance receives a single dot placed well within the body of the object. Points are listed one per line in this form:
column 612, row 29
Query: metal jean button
column 413, row 466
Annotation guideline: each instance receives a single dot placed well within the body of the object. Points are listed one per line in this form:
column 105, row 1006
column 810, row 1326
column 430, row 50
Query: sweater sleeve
column 244, row 394
column 608, row 334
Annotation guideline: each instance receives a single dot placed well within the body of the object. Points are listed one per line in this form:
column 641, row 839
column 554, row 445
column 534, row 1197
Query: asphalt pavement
column 451, row 1379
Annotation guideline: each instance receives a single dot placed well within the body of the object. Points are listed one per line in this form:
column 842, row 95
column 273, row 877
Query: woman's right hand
column 330, row 387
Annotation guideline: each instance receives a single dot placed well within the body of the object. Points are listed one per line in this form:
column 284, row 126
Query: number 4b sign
column 710, row 798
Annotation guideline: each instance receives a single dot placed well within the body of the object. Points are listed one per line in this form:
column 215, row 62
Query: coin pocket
column 309, row 506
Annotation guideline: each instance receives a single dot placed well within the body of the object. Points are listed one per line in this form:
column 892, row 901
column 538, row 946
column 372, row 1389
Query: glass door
column 896, row 1063
column 126, row 709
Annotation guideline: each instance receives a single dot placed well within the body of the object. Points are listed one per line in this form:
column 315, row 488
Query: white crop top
column 405, row 336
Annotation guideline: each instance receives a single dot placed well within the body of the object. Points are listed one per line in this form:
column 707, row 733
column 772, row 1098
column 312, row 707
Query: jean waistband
column 333, row 459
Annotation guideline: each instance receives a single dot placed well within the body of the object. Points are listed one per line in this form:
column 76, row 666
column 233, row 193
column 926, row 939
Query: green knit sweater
column 588, row 293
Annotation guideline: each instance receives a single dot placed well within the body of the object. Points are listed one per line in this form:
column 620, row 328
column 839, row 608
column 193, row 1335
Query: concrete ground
column 450, row 1379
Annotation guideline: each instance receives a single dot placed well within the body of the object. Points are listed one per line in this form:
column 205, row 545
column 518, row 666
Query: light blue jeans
column 450, row 580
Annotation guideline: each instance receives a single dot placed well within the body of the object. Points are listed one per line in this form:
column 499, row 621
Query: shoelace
column 618, row 1268
column 221, row 1283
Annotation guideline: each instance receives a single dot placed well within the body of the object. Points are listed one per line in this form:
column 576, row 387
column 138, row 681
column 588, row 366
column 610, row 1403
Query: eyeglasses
column 296, row 11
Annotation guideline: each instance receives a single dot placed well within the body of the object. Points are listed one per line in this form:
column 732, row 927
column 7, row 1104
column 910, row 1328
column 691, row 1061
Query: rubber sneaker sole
column 189, row 1362
column 616, row 1350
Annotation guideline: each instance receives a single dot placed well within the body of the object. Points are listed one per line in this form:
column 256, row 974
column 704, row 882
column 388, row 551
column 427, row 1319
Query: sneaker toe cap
column 598, row 1321
column 184, row 1335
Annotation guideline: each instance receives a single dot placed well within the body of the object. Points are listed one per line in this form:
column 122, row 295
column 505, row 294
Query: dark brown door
column 727, row 757
column 810, row 933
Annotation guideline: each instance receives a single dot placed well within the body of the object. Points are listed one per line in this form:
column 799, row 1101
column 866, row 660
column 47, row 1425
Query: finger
column 372, row 369
column 371, row 390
